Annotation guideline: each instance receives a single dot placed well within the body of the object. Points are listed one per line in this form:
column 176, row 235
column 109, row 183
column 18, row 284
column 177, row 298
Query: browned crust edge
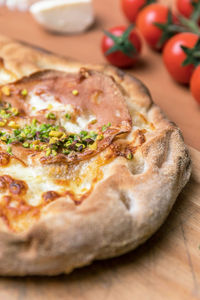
column 122, row 211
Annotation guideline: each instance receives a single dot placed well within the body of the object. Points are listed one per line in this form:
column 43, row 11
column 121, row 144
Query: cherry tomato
column 174, row 56
column 195, row 84
column 121, row 46
column 185, row 7
column 131, row 8
column 145, row 22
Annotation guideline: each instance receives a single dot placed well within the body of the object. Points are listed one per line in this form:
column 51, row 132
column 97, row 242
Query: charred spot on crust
column 3, row 184
column 1, row 61
column 50, row 196
column 141, row 137
column 17, row 187
column 120, row 148
column 4, row 159
column 5, row 180
column 83, row 74
column 120, row 73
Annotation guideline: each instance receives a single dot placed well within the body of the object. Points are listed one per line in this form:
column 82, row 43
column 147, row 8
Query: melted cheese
column 49, row 103
column 78, row 179
column 37, row 181
column 38, row 103
column 82, row 123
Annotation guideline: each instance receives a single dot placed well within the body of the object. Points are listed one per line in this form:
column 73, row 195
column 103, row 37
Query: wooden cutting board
column 165, row 267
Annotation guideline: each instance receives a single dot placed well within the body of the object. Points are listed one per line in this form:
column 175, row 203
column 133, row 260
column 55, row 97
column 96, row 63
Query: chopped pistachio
column 63, row 136
column 53, row 137
column 93, row 135
column 22, row 134
column 8, row 105
column 53, row 140
column 9, row 149
column 48, row 152
column 4, row 138
column 55, row 133
column 26, row 145
column 43, row 147
column 2, row 123
column 6, row 90
column 65, row 151
column 14, row 111
column 24, row 92
column 13, row 124
column 100, row 137
column 84, row 133
column 104, row 127
column 68, row 143
column 36, row 147
column 51, row 116
column 75, row 92
column 93, row 146
column 54, row 152
column 68, row 116
column 34, row 122
column 10, row 140
column 129, row 156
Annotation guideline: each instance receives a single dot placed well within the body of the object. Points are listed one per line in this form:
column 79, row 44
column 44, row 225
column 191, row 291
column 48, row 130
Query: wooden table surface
column 166, row 267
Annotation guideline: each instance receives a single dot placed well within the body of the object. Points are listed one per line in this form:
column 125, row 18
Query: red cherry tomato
column 145, row 22
column 127, row 48
column 185, row 7
column 195, row 84
column 174, row 56
column 131, row 8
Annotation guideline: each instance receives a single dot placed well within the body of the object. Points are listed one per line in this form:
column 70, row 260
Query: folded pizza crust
column 123, row 210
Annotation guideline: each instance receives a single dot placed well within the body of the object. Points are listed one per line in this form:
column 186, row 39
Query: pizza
column 89, row 166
